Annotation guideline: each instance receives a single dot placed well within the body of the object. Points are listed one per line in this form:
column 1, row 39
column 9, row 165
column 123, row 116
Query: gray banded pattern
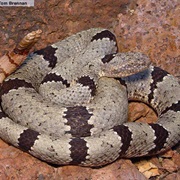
column 68, row 103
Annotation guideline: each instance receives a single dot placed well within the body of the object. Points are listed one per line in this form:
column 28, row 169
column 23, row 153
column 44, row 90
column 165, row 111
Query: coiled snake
column 68, row 103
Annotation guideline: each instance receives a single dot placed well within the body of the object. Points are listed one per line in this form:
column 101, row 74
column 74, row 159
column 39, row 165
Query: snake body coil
column 68, row 103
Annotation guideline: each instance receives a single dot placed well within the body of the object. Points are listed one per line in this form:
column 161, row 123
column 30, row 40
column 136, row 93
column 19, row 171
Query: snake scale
column 68, row 103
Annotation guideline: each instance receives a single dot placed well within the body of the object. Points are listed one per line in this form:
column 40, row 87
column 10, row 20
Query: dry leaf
column 147, row 168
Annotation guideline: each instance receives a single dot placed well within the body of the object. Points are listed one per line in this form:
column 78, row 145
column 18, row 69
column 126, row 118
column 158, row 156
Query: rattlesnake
column 68, row 103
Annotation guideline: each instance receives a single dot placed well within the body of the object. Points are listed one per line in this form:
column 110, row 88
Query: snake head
column 124, row 64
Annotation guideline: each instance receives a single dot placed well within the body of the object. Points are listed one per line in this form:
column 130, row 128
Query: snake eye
column 90, row 66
